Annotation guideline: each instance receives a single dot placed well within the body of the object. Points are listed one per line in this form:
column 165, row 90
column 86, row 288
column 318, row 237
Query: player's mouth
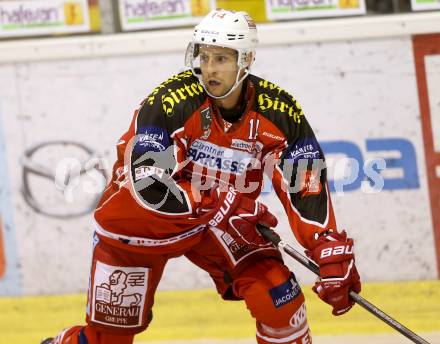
column 213, row 83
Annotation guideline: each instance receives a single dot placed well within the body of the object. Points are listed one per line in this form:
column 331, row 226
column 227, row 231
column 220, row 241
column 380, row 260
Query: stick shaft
column 312, row 266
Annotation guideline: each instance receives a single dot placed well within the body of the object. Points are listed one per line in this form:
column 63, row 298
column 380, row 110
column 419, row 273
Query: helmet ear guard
column 245, row 59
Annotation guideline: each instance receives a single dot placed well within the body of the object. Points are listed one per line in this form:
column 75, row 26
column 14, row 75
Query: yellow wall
column 255, row 8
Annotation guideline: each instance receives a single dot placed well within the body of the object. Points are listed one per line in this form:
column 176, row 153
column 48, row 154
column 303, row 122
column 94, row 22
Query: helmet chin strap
column 236, row 84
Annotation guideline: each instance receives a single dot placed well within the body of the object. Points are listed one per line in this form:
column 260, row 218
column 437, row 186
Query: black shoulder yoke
column 277, row 105
column 176, row 99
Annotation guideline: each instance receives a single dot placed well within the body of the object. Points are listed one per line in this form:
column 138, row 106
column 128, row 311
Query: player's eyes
column 216, row 58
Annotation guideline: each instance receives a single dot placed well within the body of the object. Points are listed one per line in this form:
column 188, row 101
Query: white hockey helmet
column 228, row 29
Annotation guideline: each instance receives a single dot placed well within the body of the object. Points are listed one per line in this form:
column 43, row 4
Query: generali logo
column 119, row 298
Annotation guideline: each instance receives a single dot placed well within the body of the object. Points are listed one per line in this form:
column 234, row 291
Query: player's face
column 219, row 68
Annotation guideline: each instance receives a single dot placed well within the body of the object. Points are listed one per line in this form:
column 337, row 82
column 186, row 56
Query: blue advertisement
column 371, row 170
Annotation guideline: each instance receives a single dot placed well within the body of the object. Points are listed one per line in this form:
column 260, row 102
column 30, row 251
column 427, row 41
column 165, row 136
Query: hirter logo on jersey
column 119, row 295
column 151, row 139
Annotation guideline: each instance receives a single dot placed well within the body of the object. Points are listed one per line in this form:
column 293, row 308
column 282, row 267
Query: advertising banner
column 294, row 9
column 43, row 17
column 149, row 14
column 423, row 5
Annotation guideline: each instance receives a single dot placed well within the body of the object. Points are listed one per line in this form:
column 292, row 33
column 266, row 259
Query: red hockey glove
column 338, row 275
column 237, row 215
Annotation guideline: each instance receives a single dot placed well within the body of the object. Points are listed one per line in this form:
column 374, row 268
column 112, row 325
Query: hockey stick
column 312, row 266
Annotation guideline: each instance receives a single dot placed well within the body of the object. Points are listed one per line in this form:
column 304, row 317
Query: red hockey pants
column 123, row 284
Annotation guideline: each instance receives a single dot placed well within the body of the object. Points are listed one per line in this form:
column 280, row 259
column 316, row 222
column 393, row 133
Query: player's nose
column 211, row 67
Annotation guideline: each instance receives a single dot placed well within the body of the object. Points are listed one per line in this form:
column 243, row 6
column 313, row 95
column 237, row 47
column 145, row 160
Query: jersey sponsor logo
column 267, row 102
column 174, row 96
column 292, row 108
column 210, row 155
column 151, row 139
column 268, row 85
column 178, row 77
column 286, row 292
column 119, row 295
column 304, row 152
column 142, row 172
column 307, row 149
column 251, row 147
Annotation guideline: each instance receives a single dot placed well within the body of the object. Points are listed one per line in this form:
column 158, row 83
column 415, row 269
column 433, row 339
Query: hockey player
column 188, row 173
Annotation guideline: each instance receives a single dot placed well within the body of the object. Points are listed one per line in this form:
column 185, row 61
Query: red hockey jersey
column 178, row 146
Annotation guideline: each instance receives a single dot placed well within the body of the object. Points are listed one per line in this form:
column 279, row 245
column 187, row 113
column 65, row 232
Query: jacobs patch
column 286, row 292
column 119, row 295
